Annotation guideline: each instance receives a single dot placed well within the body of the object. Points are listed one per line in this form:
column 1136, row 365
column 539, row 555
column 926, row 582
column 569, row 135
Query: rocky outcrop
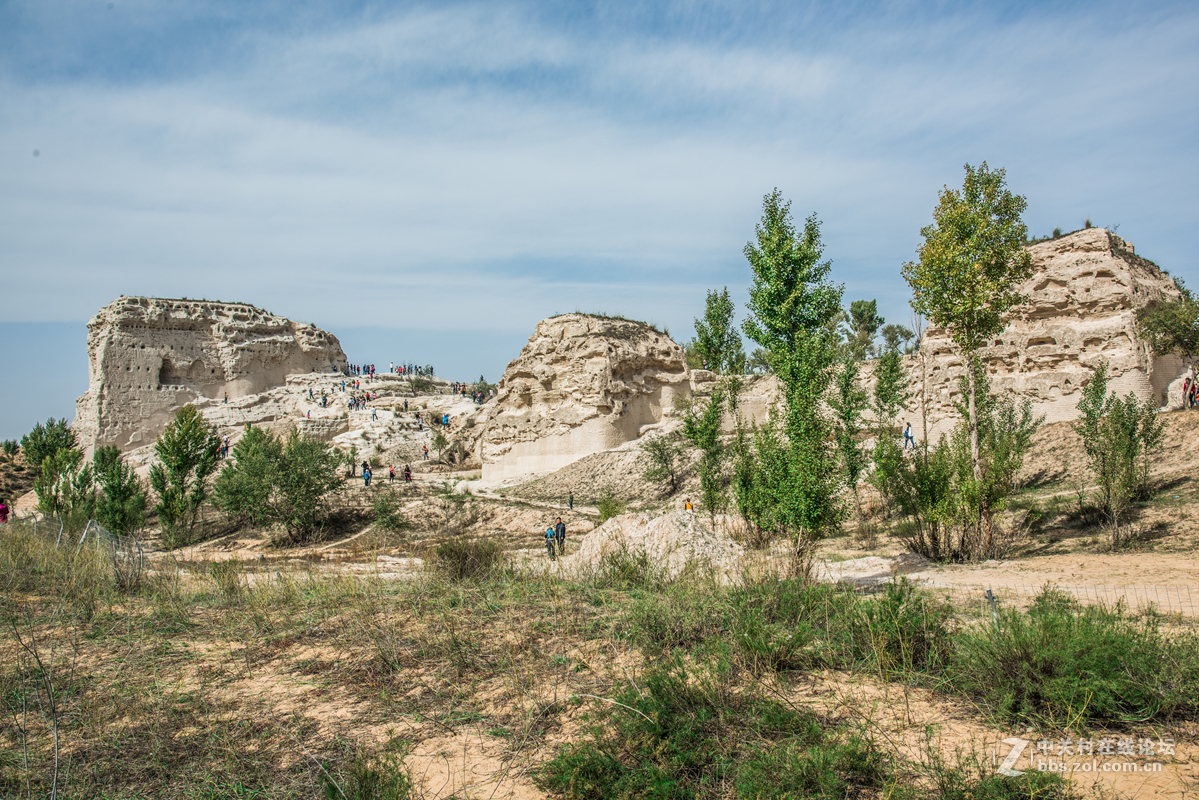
column 581, row 385
column 1082, row 306
column 149, row 356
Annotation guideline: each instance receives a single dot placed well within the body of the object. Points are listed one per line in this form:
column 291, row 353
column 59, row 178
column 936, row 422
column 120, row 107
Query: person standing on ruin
column 366, row 476
column 425, row 447
column 407, row 473
column 391, row 473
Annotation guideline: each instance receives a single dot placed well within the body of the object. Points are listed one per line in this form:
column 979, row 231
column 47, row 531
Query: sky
column 427, row 181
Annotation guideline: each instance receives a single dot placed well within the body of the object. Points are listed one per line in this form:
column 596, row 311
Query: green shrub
column 121, row 499
column 46, row 440
column 902, row 631
column 955, row 784
column 468, row 559
column 389, row 514
column 1056, row 665
column 625, row 569
column 690, row 735
column 280, row 482
column 609, row 507
column 187, row 453
column 383, row 777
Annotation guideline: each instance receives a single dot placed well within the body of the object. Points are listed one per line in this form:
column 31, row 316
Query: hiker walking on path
column 391, row 473
column 570, row 501
column 549, row 543
column 366, row 476
column 560, row 536
column 407, row 474
column 687, row 505
column 3, row 512
column 908, row 439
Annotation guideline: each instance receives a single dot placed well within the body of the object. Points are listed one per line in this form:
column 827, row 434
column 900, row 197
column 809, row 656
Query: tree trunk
column 975, row 460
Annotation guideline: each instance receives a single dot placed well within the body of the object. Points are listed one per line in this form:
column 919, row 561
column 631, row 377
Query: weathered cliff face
column 581, row 385
column 148, row 357
column 1082, row 306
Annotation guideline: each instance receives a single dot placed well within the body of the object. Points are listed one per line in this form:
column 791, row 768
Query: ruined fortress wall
column 1082, row 306
column 582, row 384
column 150, row 356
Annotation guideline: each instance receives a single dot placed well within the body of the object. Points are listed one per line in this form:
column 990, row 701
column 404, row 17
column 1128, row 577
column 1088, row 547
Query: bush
column 277, row 482
column 383, row 777
column 121, row 500
column 1118, row 436
column 66, row 488
column 11, row 447
column 46, row 440
column 388, row 513
column 691, row 736
column 662, row 461
column 609, row 507
column 187, row 452
column 468, row 559
column 1057, row 666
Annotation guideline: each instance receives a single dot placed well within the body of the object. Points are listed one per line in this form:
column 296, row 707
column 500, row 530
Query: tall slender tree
column 791, row 304
column 971, row 262
column 717, row 341
column 972, row 259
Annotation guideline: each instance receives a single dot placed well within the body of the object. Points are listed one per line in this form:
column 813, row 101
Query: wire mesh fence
column 1178, row 601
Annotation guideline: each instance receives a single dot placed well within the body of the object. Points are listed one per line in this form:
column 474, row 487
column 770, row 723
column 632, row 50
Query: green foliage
column 895, row 336
column 1057, row 665
column 439, row 443
column 463, row 559
column 848, row 403
column 662, row 461
column 1171, row 326
column 383, row 777
column 389, row 514
column 717, row 342
column 121, row 500
column 690, row 735
column 793, row 308
column 421, row 384
column 950, row 514
column 956, row 784
column 971, row 261
column 702, row 422
column 889, row 388
column 66, row 488
column 46, row 440
column 1118, row 436
column 864, row 324
column 10, row 448
column 609, row 507
column 187, row 453
column 273, row 481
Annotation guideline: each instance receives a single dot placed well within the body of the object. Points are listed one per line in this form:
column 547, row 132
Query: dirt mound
column 673, row 542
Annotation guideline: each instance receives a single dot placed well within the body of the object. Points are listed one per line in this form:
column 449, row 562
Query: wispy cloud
column 484, row 165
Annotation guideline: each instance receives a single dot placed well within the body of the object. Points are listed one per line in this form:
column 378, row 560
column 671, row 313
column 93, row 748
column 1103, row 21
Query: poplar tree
column 717, row 341
column 792, row 303
column 972, row 259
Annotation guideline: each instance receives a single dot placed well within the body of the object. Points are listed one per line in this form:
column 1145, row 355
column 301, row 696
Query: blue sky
column 429, row 180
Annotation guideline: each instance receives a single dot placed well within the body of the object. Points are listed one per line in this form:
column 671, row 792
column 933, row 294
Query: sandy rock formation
column 674, row 542
column 581, row 385
column 148, row 357
column 1082, row 306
